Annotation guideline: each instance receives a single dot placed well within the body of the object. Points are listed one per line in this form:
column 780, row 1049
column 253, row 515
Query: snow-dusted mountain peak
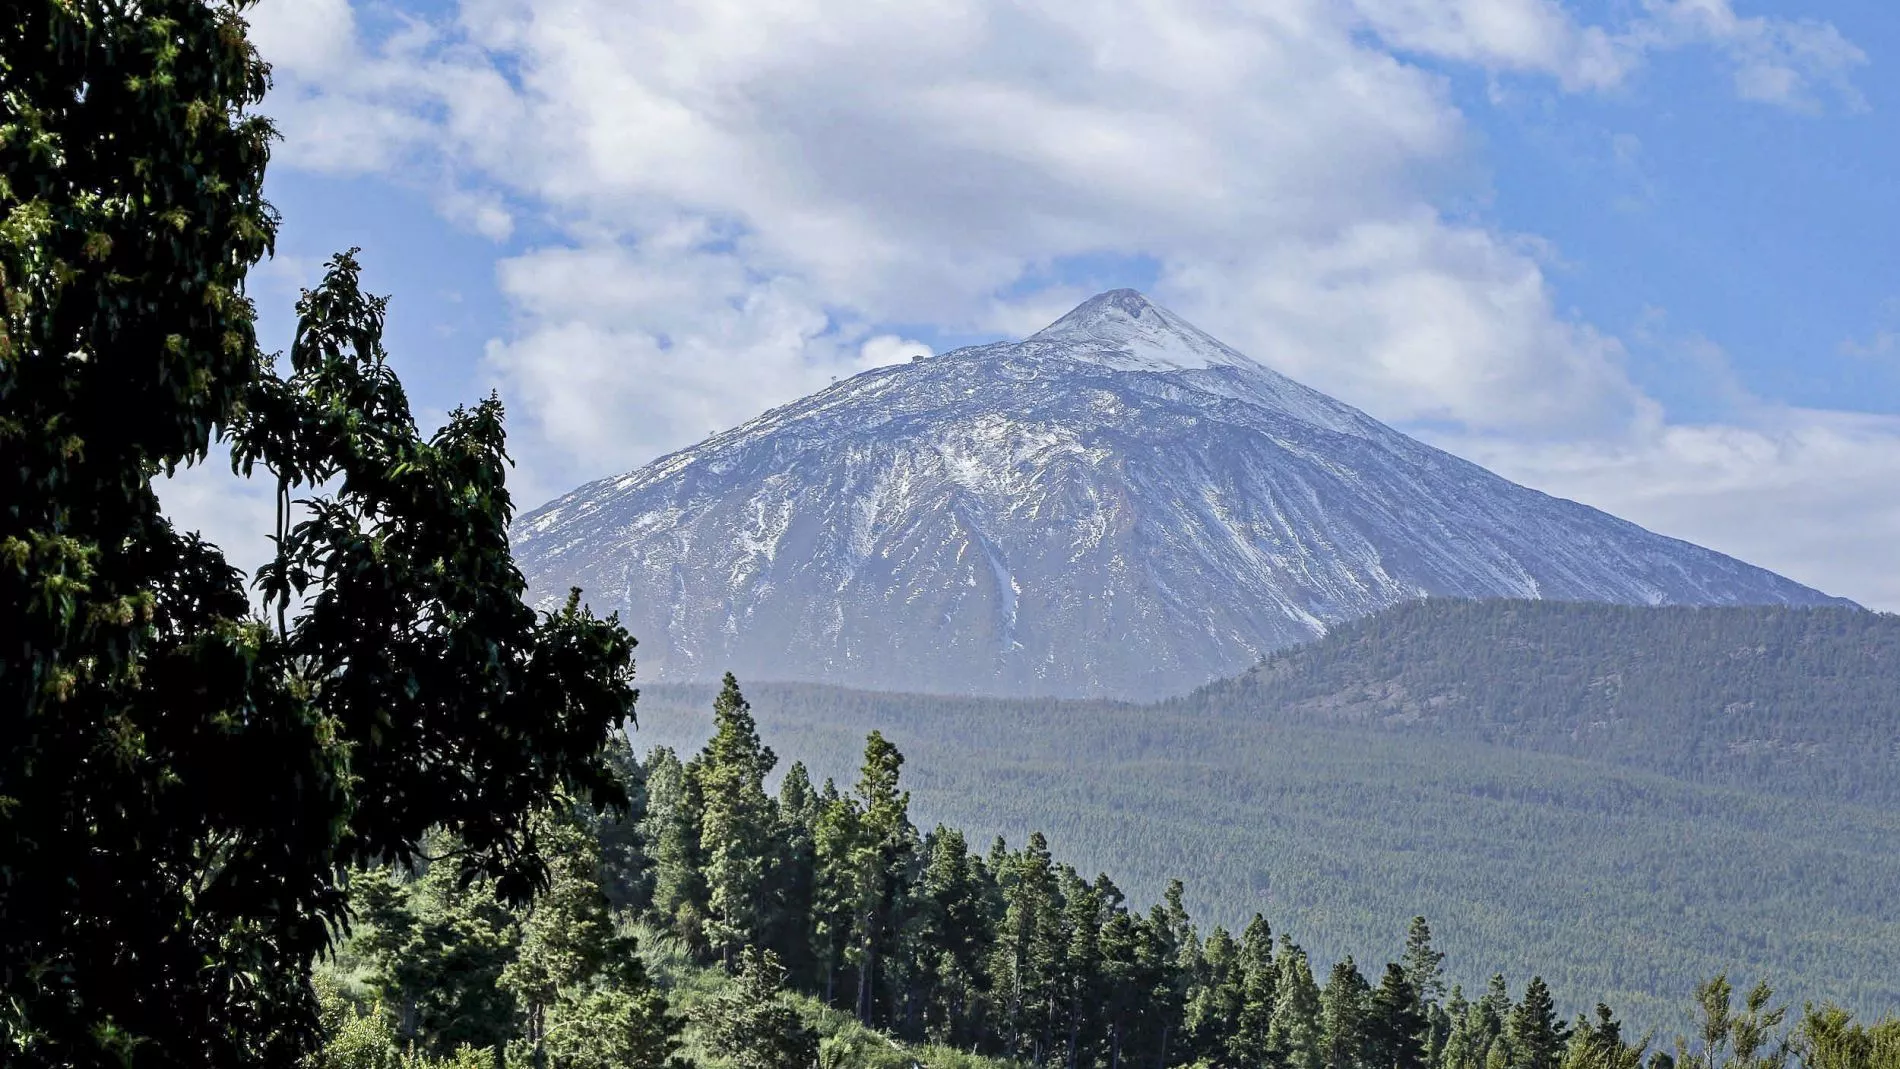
column 1116, row 505
column 1125, row 330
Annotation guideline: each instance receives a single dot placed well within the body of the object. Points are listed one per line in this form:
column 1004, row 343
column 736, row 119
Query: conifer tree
column 437, row 951
column 1395, row 1026
column 837, row 882
column 1599, row 1044
column 795, row 873
column 884, row 857
column 1214, row 1002
column 751, row 1025
column 1258, row 974
column 1295, row 1032
column 737, row 826
column 953, row 931
column 1344, row 1005
column 1467, row 1042
column 625, row 855
column 1028, row 948
column 1536, row 1033
column 1732, row 1039
column 568, row 937
column 1079, row 974
column 1424, row 964
column 673, row 827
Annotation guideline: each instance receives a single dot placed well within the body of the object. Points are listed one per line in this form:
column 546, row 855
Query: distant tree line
column 836, row 894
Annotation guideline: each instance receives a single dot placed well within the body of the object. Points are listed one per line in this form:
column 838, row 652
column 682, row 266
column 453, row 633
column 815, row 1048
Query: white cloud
column 740, row 194
column 237, row 515
column 1519, row 35
column 623, row 353
column 1807, row 493
column 1773, row 61
column 1417, row 320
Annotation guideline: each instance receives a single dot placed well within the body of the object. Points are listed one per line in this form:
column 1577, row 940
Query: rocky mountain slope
column 1117, row 505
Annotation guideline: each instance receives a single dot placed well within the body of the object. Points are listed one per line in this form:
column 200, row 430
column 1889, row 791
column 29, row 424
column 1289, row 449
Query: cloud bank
column 737, row 200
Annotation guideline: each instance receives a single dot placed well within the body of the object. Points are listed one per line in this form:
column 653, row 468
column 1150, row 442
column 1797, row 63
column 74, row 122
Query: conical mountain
column 1116, row 505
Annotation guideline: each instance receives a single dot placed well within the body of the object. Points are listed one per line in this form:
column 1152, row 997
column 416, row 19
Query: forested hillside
column 737, row 926
column 1801, row 701
column 1616, row 879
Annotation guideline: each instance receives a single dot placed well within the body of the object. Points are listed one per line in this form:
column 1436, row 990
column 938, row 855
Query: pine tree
column 837, row 880
column 1344, row 1003
column 737, row 826
column 953, row 931
column 795, row 875
column 672, row 825
column 437, row 951
column 1028, row 948
column 1079, row 974
column 1475, row 1027
column 1731, row 1039
column 1215, row 1000
column 625, row 854
column 1599, row 1044
column 884, row 856
column 751, row 1025
column 1424, row 964
column 621, row 1026
column 1258, row 976
column 568, row 937
column 1536, row 1033
column 1295, row 1033
column 1395, row 1026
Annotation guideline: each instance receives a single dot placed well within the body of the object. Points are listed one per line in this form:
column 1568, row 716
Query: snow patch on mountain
column 1116, row 505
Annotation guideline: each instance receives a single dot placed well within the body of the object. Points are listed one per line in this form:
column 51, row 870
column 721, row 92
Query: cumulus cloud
column 1806, row 492
column 1417, row 320
column 741, row 197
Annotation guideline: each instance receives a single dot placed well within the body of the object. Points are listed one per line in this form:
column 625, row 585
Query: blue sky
column 1638, row 252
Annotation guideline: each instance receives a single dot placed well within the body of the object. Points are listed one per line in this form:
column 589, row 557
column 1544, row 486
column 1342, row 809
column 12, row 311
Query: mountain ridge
column 1116, row 505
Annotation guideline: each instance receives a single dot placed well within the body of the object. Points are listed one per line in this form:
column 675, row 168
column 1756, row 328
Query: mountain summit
column 1117, row 505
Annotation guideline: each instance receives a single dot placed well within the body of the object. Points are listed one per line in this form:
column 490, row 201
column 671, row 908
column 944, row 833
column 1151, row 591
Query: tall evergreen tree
column 1536, row 1033
column 568, row 937
column 884, row 857
column 1395, row 1024
column 837, row 887
column 737, row 827
column 1251, row 1044
column 437, row 951
column 1215, row 999
column 794, row 875
column 1344, row 1004
column 1424, row 964
column 953, row 931
column 673, row 827
column 1295, row 1032
column 624, row 854
column 1028, row 948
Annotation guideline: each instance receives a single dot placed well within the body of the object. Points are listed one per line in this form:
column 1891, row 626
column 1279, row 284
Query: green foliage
column 183, row 784
column 1797, row 701
column 616, row 1027
column 1015, row 955
column 437, row 952
column 737, row 823
column 751, row 1026
column 1615, row 884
